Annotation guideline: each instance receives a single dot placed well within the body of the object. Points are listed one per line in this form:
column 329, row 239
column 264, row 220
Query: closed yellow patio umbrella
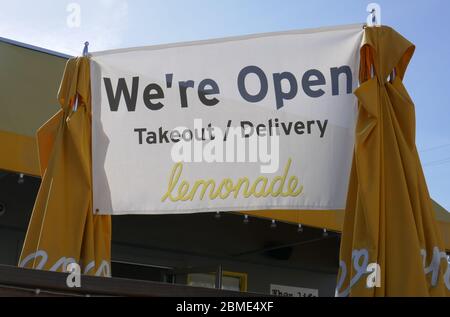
column 63, row 228
column 391, row 244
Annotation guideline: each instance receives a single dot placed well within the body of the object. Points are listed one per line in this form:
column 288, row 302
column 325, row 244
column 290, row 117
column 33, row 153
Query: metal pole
column 219, row 277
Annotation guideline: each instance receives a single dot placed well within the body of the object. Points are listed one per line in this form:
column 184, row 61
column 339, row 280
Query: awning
column 31, row 78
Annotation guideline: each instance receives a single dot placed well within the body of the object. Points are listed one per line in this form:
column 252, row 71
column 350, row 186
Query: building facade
column 261, row 252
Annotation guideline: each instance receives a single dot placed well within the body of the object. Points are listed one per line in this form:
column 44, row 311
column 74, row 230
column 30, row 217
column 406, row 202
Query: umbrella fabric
column 391, row 243
column 63, row 228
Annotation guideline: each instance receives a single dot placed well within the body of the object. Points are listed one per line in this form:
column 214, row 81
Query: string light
column 325, row 232
column 21, row 179
column 246, row 220
column 273, row 225
column 217, row 215
column 300, row 228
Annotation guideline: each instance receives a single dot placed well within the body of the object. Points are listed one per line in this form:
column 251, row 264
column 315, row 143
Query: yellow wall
column 19, row 153
column 29, row 82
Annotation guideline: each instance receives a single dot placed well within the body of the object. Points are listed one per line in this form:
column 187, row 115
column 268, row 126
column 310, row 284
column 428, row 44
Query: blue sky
column 109, row 24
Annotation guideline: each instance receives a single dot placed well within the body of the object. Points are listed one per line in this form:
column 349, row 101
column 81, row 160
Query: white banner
column 248, row 123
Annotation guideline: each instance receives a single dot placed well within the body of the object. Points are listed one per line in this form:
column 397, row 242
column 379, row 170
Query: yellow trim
column 19, row 153
column 442, row 215
column 243, row 278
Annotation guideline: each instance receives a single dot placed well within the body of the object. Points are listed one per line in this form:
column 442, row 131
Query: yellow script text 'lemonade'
column 261, row 187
